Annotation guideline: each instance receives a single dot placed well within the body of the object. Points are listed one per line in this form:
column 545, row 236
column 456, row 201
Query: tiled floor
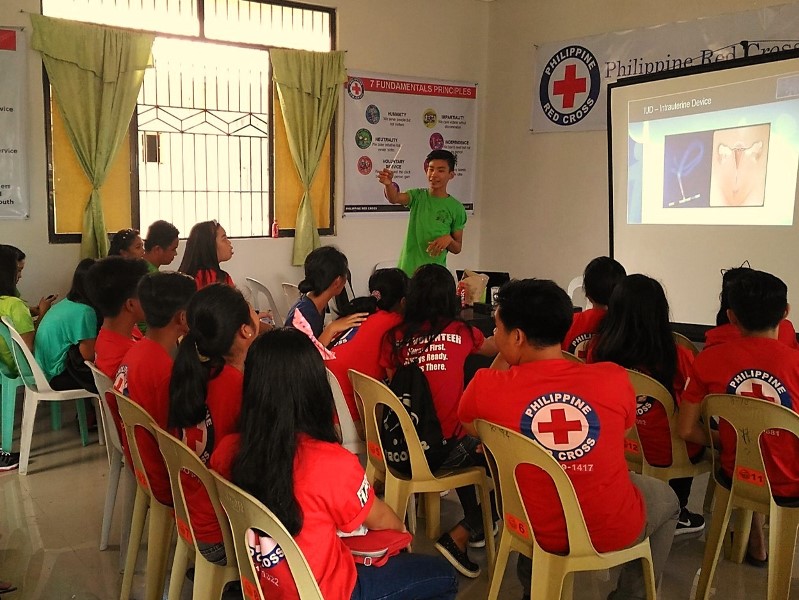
column 50, row 531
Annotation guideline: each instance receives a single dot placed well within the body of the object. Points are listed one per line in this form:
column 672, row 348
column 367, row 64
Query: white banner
column 395, row 122
column 14, row 200
column 571, row 77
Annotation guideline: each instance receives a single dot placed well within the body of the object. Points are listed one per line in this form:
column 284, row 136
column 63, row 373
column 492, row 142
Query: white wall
column 548, row 193
column 378, row 35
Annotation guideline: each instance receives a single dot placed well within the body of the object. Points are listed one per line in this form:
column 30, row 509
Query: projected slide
column 724, row 155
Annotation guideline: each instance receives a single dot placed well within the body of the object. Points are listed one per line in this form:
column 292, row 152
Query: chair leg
column 495, row 580
column 743, row 526
column 140, row 506
column 26, row 435
column 781, row 545
column 159, row 539
column 567, row 587
column 709, row 493
column 718, row 525
column 98, row 418
column 397, row 497
column 110, row 500
column 129, row 488
column 55, row 416
column 488, row 525
column 179, row 564
column 432, row 512
column 84, row 428
column 548, row 583
column 210, row 580
column 7, row 415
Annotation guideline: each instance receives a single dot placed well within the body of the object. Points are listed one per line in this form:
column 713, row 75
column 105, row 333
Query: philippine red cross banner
column 13, row 158
column 393, row 121
column 571, row 77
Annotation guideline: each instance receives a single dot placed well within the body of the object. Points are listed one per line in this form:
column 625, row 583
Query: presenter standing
column 436, row 224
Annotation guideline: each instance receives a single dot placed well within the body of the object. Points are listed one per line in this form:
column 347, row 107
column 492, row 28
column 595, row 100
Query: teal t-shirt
column 17, row 311
column 64, row 325
column 430, row 218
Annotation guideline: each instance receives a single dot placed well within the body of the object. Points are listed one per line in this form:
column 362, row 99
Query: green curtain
column 96, row 73
column 308, row 85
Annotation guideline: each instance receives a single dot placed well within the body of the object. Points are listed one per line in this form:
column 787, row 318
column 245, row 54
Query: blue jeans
column 407, row 577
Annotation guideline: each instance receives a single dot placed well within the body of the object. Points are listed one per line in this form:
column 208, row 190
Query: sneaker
column 478, row 539
column 457, row 557
column 8, row 460
column 689, row 522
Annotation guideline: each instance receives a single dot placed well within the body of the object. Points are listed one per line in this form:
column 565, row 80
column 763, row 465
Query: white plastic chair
column 291, row 293
column 576, row 292
column 385, row 264
column 116, row 460
column 37, row 389
column 257, row 287
column 349, row 435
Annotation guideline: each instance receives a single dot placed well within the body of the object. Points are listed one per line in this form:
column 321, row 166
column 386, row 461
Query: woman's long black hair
column 286, row 393
column 214, row 315
column 200, row 251
column 636, row 332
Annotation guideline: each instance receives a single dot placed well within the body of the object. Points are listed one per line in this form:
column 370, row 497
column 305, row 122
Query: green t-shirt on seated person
column 430, row 218
column 66, row 324
column 15, row 309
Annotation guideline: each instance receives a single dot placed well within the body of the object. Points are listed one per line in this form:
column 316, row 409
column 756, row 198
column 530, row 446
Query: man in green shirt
column 436, row 224
column 161, row 245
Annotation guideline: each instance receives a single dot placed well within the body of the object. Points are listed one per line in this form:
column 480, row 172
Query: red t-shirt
column 144, row 377
column 724, row 333
column 109, row 350
column 333, row 494
column 223, row 404
column 442, row 363
column 760, row 368
column 206, row 277
column 584, row 325
column 580, row 413
column 362, row 353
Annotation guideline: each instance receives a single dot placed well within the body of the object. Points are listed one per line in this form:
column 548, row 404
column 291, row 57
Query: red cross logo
column 569, row 86
column 757, row 392
column 195, row 438
column 356, row 88
column 559, row 426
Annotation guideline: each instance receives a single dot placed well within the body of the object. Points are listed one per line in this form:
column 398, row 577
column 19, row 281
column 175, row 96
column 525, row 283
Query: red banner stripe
column 8, row 39
column 393, row 86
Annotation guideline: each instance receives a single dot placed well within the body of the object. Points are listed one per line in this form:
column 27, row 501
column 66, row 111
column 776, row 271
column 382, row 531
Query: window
column 203, row 142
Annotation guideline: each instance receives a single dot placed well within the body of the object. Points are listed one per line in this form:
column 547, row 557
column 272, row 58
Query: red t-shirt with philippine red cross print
column 759, row 368
column 333, row 494
column 579, row 413
column 442, row 360
column 584, row 325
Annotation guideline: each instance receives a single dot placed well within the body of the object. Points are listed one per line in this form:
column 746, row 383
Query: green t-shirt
column 65, row 324
column 430, row 218
column 17, row 311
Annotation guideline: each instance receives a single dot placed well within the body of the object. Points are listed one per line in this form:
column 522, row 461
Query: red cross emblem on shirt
column 559, row 426
column 196, row 438
column 569, row 86
column 757, row 392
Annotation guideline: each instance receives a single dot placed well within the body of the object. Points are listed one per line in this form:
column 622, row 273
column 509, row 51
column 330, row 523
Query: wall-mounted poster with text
column 13, row 86
column 392, row 121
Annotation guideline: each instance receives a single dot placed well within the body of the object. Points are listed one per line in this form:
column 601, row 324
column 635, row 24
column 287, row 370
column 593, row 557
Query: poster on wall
column 571, row 77
column 13, row 87
column 394, row 122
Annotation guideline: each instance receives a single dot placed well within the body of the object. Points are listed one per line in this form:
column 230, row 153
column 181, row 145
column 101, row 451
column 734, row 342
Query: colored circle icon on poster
column 355, row 88
column 372, row 114
column 363, row 138
column 436, row 141
column 364, row 165
column 430, row 118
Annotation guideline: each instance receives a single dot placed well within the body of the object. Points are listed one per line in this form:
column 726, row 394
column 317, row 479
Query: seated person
column 44, row 303
column 322, row 487
column 599, row 279
column 620, row 508
column 326, row 273
column 66, row 336
column 725, row 331
column 432, row 334
column 126, row 243
column 636, row 334
column 756, row 364
column 361, row 352
column 205, row 391
column 207, row 246
column 161, row 245
column 13, row 308
column 146, row 368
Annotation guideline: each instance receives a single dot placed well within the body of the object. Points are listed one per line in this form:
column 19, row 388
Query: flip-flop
column 6, row 587
column 755, row 562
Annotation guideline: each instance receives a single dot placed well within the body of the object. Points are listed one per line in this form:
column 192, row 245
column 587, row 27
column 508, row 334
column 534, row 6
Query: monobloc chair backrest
column 180, row 458
column 29, row 370
column 750, row 418
column 576, row 292
column 246, row 512
column 292, row 293
column 374, row 395
column 685, row 342
column 104, row 385
column 510, row 449
column 572, row 357
column 349, row 435
column 5, row 371
column 256, row 287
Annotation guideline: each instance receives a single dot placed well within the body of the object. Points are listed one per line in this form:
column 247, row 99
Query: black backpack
column 411, row 387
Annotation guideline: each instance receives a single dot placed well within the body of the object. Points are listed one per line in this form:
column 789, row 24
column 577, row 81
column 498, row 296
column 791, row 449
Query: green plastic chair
column 10, row 381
